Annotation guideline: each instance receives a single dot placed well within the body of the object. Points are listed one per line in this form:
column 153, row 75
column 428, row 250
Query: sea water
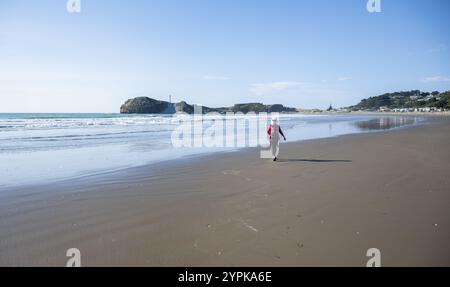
column 37, row 148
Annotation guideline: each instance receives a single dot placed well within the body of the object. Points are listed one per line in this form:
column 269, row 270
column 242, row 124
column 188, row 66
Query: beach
column 325, row 203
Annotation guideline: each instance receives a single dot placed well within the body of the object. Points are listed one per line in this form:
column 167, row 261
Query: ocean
column 40, row 148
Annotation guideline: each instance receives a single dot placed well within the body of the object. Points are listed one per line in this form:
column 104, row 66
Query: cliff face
column 184, row 107
column 144, row 105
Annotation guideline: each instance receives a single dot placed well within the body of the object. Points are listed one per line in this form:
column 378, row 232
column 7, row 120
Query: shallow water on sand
column 38, row 148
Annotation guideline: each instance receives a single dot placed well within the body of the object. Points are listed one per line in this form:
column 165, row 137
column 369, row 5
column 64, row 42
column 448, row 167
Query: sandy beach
column 325, row 203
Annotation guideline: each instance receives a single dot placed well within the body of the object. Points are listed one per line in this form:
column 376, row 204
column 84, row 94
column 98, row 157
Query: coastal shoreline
column 324, row 204
column 72, row 163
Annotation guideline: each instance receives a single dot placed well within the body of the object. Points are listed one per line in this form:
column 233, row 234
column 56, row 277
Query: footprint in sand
column 299, row 245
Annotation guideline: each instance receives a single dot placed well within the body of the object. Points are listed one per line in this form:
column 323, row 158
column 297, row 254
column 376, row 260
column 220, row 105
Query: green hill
column 408, row 99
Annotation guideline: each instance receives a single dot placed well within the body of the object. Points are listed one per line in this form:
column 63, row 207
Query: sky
column 303, row 54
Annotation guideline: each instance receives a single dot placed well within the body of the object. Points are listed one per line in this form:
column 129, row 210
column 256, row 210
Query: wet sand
column 325, row 203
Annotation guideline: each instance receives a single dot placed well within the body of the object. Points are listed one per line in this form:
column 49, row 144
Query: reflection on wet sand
column 385, row 123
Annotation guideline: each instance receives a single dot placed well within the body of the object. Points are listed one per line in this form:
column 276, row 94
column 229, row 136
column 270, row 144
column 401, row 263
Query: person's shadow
column 313, row 160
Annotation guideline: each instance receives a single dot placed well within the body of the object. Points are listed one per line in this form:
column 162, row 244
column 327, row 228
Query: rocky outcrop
column 249, row 107
column 145, row 105
column 280, row 109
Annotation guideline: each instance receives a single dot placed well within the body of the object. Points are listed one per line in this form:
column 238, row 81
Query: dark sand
column 324, row 204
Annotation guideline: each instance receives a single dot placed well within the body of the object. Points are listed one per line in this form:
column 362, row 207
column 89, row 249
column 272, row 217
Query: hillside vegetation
column 145, row 105
column 409, row 99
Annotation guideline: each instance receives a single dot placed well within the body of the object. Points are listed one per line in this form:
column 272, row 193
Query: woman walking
column 274, row 132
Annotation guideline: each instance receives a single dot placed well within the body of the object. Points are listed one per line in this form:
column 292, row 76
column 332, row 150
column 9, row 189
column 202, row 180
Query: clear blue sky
column 218, row 52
